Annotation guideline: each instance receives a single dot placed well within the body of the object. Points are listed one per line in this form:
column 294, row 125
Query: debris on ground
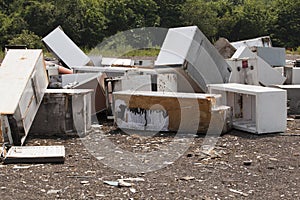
column 197, row 122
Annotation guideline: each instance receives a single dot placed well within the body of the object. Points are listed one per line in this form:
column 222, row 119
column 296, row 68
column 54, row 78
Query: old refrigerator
column 23, row 81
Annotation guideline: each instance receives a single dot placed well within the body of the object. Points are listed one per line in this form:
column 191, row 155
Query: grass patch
column 151, row 52
column 125, row 51
column 294, row 51
column 1, row 55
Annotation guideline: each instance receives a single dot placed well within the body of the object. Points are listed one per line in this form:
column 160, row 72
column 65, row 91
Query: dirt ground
column 241, row 166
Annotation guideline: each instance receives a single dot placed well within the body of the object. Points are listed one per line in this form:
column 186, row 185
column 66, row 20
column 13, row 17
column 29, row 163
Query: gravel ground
column 241, row 166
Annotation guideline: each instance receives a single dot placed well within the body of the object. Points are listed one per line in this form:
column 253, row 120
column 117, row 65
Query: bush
column 27, row 38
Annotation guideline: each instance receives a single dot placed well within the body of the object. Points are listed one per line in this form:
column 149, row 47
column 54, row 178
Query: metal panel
column 188, row 48
column 65, row 49
column 266, row 74
column 274, row 56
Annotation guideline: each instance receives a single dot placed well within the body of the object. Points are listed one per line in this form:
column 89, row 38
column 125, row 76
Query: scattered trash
column 134, row 179
column 247, row 162
column 239, row 192
column 144, row 95
column 124, row 182
column 21, row 167
column 187, row 178
column 273, row 159
column 132, row 190
column 54, row 191
column 112, row 183
column 84, row 182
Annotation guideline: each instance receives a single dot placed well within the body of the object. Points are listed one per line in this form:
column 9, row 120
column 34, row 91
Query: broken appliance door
column 190, row 54
column 65, row 49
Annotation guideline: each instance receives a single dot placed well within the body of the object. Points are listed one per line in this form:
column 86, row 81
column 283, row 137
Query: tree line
column 88, row 22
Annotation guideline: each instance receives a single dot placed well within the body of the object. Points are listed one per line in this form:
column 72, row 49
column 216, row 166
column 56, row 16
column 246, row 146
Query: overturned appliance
column 63, row 112
column 169, row 111
column 265, row 74
column 23, row 81
column 194, row 57
column 254, row 107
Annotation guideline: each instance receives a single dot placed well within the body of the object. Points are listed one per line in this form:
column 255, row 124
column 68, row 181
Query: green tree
column 41, row 16
column 127, row 14
column 10, row 26
column 201, row 14
column 285, row 27
column 251, row 21
column 83, row 21
column 170, row 12
column 238, row 20
column 27, row 38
